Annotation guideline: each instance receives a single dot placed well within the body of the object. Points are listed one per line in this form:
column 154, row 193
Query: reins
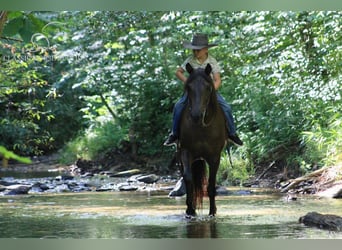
column 205, row 113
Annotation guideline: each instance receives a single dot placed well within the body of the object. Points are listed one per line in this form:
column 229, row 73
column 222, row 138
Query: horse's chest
column 203, row 134
column 202, row 140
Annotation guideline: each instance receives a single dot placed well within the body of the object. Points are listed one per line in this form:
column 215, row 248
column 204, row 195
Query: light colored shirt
column 196, row 64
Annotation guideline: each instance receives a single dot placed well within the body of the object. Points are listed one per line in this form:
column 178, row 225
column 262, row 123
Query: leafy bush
column 237, row 171
column 25, row 137
column 323, row 145
column 94, row 142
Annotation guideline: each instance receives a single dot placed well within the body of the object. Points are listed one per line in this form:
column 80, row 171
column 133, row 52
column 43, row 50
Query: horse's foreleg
column 191, row 209
column 187, row 177
column 212, row 187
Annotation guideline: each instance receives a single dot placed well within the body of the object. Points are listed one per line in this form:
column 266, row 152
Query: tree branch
column 107, row 106
column 11, row 39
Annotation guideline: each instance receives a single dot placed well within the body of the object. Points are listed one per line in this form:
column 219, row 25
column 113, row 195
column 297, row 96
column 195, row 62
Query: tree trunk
column 133, row 142
column 3, row 18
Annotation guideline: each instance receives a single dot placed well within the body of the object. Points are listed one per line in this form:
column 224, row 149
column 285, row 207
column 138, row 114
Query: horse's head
column 200, row 88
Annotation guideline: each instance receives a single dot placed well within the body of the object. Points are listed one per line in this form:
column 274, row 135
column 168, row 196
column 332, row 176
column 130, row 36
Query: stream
column 258, row 213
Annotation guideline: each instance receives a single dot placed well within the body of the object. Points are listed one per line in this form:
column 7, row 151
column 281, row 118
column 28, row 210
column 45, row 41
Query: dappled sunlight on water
column 154, row 215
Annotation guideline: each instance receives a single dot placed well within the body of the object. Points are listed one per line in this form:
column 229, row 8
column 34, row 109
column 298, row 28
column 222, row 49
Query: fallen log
column 322, row 221
column 294, row 182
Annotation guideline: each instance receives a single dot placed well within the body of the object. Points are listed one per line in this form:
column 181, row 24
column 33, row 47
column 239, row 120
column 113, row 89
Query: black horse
column 202, row 138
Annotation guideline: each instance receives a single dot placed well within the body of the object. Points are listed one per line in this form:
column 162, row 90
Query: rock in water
column 128, row 188
column 17, row 189
column 323, row 221
column 64, row 178
column 179, row 189
column 151, row 178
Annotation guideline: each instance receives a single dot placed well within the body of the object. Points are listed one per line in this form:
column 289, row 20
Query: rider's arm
column 180, row 74
column 217, row 80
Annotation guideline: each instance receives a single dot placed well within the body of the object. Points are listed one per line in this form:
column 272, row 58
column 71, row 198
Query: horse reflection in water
column 201, row 229
column 202, row 138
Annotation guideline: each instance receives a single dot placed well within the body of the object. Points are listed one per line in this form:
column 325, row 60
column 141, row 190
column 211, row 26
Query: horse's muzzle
column 196, row 117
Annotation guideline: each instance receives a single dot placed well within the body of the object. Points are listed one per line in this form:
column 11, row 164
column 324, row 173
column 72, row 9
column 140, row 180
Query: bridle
column 204, row 113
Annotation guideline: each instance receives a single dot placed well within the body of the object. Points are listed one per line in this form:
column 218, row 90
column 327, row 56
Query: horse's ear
column 208, row 69
column 189, row 68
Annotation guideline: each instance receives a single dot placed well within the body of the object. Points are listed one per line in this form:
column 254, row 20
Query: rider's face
column 201, row 54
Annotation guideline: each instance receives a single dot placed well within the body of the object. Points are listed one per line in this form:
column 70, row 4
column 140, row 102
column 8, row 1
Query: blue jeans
column 179, row 107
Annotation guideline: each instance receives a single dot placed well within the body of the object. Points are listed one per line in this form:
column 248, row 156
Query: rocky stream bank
column 46, row 176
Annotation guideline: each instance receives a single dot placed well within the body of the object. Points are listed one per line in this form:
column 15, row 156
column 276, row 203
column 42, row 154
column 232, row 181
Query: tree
column 29, row 105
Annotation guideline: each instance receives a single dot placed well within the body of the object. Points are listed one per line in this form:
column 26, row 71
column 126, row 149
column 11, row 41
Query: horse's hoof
column 190, row 217
column 211, row 216
column 191, row 212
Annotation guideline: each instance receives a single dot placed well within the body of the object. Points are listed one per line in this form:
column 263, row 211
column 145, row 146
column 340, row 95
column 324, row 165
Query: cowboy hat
column 199, row 41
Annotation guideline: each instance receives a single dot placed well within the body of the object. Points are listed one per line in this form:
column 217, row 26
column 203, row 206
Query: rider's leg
column 177, row 112
column 229, row 119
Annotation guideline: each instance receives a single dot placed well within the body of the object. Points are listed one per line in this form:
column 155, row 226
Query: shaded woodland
column 87, row 84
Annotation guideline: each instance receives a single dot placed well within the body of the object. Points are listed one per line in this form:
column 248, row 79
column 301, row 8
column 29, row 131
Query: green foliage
column 7, row 155
column 281, row 77
column 25, row 137
column 23, row 25
column 236, row 172
column 38, row 115
column 94, row 142
column 323, row 146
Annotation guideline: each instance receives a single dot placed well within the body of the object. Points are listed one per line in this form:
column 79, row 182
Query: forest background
column 88, row 83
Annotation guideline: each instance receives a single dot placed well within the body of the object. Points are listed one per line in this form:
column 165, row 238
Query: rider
column 200, row 59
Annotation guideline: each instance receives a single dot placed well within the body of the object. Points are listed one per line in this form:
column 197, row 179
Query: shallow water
column 154, row 215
